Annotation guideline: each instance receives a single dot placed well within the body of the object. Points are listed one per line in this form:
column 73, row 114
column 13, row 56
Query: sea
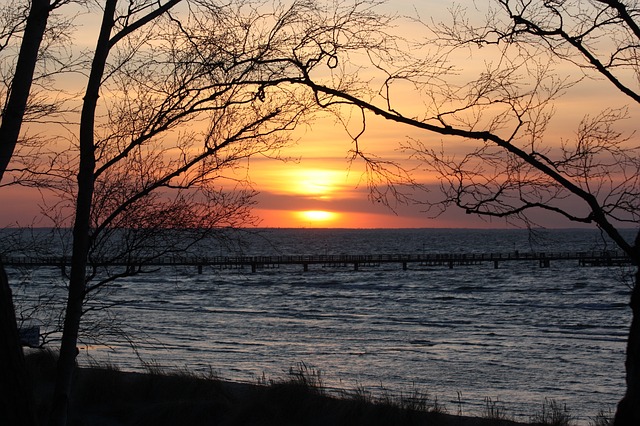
column 468, row 337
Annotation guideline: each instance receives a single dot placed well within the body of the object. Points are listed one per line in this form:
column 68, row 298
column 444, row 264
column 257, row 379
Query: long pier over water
column 355, row 261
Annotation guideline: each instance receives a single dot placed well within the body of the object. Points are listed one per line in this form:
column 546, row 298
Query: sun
column 316, row 217
column 311, row 196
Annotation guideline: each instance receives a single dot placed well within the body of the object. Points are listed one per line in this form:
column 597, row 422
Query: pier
column 353, row 261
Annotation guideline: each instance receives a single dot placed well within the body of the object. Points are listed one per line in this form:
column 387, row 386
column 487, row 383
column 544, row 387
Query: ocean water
column 517, row 334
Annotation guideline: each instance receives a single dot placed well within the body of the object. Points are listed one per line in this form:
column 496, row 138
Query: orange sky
column 320, row 189
column 323, row 189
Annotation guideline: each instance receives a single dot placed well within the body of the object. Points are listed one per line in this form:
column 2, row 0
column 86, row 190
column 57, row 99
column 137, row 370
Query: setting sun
column 317, row 216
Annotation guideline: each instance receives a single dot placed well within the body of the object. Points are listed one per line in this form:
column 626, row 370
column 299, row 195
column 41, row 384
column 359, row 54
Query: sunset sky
column 324, row 188
column 320, row 187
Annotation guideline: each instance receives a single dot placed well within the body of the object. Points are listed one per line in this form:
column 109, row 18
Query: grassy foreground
column 108, row 397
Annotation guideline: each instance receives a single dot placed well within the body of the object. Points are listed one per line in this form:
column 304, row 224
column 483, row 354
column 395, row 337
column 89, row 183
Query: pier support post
column 495, row 264
column 355, row 266
column 404, row 266
column 253, row 267
column 200, row 269
column 544, row 262
column 451, row 264
column 305, row 267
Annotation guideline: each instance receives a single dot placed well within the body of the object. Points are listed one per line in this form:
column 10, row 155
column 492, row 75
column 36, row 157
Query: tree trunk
column 17, row 404
column 628, row 412
column 21, row 84
column 82, row 225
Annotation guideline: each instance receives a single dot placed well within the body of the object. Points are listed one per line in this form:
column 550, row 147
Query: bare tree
column 497, row 157
column 27, row 23
column 169, row 111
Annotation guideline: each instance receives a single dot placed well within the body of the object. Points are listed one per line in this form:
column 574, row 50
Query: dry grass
column 603, row 418
column 108, row 397
column 496, row 411
column 553, row 414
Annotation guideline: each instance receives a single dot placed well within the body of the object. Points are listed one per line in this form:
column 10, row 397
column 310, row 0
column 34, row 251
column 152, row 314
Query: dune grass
column 104, row 396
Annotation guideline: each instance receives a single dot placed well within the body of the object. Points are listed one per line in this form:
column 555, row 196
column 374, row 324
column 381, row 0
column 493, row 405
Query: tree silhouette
column 17, row 407
column 169, row 111
column 496, row 156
